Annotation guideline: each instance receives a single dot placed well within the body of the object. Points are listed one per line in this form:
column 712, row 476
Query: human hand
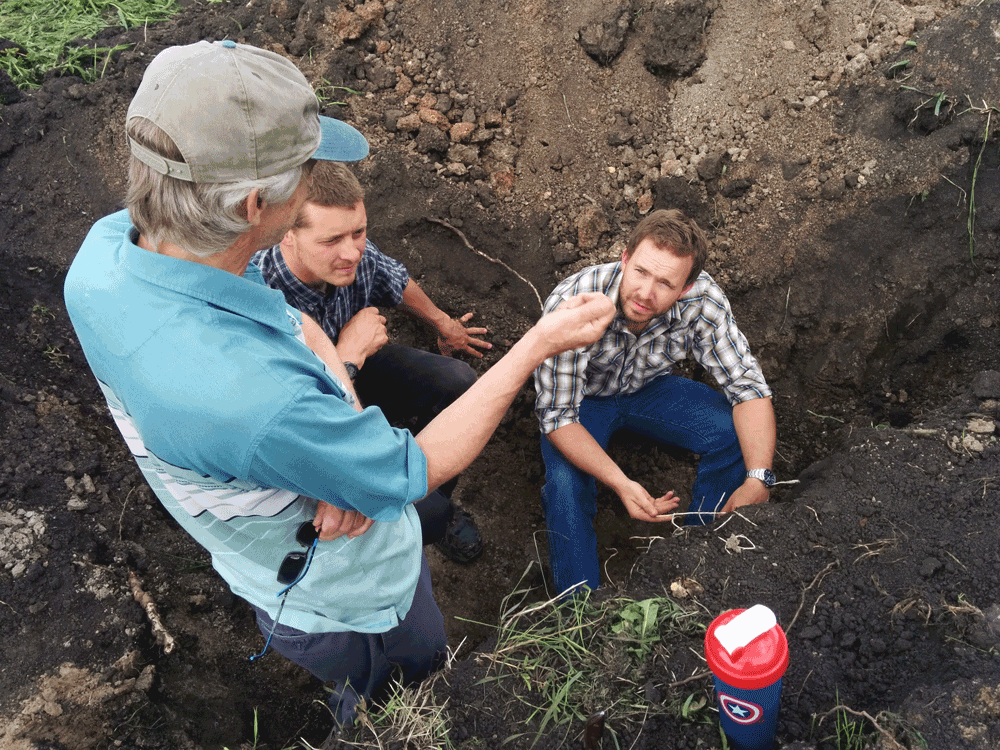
column 332, row 522
column 578, row 321
column 644, row 507
column 363, row 335
column 454, row 337
column 751, row 492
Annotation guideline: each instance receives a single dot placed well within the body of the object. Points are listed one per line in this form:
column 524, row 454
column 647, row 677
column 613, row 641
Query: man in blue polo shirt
column 237, row 407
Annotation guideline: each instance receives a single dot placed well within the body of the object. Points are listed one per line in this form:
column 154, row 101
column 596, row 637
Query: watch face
column 764, row 475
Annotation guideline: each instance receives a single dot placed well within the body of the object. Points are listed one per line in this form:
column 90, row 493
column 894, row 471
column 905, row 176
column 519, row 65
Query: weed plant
column 45, row 34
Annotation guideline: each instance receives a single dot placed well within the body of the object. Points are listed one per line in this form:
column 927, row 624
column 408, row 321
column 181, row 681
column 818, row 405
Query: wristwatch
column 764, row 475
column 352, row 370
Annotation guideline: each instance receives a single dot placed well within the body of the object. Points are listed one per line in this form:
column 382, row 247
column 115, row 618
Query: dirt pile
column 843, row 157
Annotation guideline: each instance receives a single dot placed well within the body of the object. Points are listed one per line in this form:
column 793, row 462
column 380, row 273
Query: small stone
column 970, row 443
column 77, row 503
column 408, row 124
column 492, row 119
column 145, row 680
column 981, row 426
column 461, row 132
column 435, row 118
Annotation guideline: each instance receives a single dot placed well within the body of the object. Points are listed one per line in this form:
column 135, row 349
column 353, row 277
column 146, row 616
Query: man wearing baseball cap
column 237, row 408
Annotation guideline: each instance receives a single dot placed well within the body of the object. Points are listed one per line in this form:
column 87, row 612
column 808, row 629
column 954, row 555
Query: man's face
column 329, row 246
column 653, row 279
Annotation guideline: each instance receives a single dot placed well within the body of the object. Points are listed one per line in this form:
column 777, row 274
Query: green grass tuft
column 43, row 32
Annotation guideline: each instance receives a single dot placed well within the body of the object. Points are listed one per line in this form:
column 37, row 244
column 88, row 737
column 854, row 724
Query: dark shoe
column 461, row 541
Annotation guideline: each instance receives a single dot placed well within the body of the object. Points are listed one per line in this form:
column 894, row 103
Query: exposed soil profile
column 844, row 160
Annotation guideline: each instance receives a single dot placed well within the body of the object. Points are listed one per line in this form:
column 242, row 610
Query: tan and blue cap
column 236, row 113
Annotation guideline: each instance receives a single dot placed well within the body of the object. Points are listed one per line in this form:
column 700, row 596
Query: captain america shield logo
column 740, row 711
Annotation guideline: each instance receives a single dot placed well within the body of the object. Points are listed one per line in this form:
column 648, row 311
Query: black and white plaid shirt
column 380, row 282
column 700, row 323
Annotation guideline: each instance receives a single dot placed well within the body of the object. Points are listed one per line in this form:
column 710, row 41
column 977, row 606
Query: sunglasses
column 292, row 570
column 293, row 567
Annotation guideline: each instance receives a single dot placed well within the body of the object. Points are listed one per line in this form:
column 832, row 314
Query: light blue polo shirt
column 236, row 424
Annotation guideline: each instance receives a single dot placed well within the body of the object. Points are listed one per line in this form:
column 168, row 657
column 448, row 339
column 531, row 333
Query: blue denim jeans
column 670, row 409
column 412, row 386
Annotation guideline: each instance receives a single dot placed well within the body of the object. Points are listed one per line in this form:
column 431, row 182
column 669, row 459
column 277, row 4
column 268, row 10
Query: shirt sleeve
column 389, row 278
column 722, row 349
column 321, row 447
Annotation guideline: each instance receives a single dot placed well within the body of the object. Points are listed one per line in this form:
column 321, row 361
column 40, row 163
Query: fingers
column 332, row 525
column 335, row 523
column 467, row 316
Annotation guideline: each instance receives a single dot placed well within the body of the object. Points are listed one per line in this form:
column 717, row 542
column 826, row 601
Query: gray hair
column 204, row 219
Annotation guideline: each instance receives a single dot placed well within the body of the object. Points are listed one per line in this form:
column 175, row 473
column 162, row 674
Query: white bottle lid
column 745, row 627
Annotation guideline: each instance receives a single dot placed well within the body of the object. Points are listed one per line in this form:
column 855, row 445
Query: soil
column 853, row 202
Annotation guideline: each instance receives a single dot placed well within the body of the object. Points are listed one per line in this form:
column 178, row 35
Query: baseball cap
column 235, row 112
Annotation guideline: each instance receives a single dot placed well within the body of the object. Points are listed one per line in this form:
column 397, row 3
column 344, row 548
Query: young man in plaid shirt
column 668, row 308
column 327, row 267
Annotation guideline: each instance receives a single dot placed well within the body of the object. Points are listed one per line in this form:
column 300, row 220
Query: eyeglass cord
column 284, row 596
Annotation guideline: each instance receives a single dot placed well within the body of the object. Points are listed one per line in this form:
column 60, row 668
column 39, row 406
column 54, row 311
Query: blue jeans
column 412, row 386
column 671, row 410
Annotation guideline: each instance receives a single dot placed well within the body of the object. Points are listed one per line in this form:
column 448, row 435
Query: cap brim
column 340, row 142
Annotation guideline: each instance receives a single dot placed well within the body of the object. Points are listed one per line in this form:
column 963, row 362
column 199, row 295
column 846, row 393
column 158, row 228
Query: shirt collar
column 247, row 295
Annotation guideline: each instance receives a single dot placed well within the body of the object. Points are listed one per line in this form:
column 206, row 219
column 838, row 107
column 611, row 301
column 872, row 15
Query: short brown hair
column 333, row 186
column 672, row 230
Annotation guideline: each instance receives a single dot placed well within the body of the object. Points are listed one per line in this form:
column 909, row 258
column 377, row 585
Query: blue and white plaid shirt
column 700, row 324
column 380, row 282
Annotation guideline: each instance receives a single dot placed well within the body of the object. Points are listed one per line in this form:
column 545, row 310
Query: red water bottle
column 747, row 652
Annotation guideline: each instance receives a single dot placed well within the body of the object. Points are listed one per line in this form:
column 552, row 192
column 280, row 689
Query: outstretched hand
column 579, row 321
column 332, row 522
column 644, row 507
column 454, row 337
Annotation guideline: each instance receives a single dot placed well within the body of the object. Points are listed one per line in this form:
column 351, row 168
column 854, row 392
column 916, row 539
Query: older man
column 237, row 408
column 668, row 309
column 327, row 267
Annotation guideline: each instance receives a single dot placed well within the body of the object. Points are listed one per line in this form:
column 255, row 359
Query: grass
column 44, row 32
column 411, row 718
column 565, row 661
column 884, row 730
column 326, row 92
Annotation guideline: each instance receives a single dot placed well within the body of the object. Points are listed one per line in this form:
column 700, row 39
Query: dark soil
column 837, row 188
